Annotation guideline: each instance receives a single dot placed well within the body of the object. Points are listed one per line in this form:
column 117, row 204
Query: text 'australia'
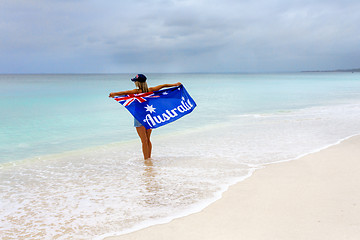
column 168, row 114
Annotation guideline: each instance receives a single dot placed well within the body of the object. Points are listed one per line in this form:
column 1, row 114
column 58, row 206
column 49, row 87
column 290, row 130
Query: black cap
column 139, row 78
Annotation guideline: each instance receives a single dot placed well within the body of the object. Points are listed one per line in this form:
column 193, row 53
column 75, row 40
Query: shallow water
column 83, row 184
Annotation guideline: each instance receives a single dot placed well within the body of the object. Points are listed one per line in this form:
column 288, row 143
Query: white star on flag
column 165, row 93
column 150, row 108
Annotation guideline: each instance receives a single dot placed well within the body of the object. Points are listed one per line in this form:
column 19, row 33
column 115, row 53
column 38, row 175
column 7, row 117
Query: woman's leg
column 148, row 133
column 144, row 135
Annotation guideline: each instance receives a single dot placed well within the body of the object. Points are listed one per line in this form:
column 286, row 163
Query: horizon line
column 195, row 72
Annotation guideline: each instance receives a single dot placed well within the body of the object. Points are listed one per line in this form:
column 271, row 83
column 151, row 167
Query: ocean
column 71, row 164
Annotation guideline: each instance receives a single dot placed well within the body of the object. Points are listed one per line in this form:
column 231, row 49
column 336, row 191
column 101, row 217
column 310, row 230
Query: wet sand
column 314, row 197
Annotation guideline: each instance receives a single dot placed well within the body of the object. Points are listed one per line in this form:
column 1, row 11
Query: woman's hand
column 112, row 94
column 178, row 84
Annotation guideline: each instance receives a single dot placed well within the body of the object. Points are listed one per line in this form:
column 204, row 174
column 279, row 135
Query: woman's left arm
column 134, row 91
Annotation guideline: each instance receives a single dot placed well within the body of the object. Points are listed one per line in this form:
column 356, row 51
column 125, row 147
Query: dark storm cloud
column 165, row 36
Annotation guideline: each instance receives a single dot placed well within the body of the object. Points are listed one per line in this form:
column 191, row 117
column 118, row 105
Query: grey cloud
column 161, row 35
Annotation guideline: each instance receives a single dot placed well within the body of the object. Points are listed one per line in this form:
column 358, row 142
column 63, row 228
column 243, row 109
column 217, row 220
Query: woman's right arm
column 157, row 88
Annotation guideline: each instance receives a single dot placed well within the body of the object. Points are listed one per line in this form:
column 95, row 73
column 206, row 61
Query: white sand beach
column 314, row 197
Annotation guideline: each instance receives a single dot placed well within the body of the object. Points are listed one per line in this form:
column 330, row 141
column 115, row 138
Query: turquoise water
column 44, row 114
column 72, row 167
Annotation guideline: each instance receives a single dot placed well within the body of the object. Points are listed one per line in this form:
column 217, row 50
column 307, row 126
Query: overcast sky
column 115, row 36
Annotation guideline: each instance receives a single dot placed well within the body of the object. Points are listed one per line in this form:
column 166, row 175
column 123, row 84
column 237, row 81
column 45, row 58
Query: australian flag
column 156, row 109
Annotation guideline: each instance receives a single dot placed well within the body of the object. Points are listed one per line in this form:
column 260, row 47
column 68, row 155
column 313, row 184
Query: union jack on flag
column 141, row 97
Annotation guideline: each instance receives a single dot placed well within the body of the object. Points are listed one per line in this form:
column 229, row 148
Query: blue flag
column 155, row 109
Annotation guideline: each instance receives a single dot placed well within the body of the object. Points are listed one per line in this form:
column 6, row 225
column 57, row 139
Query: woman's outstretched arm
column 157, row 88
column 134, row 91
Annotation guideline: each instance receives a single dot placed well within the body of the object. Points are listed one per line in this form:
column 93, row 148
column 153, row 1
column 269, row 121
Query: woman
column 144, row 134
